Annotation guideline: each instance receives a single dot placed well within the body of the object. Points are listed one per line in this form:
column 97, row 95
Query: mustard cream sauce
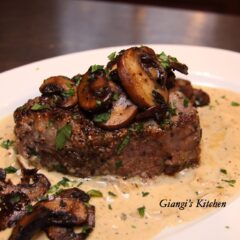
column 216, row 178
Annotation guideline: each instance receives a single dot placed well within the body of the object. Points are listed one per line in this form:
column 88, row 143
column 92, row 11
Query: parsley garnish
column 230, row 182
column 123, row 144
column 15, row 198
column 235, row 104
column 69, row 93
column 63, row 135
column 116, row 96
column 96, row 67
column 64, row 183
column 86, row 229
column 172, row 111
column 224, row 171
column 94, row 193
column 112, row 194
column 164, row 60
column 109, row 206
column 102, row 117
column 77, row 79
column 185, row 102
column 7, row 144
column 141, row 211
column 144, row 194
column 137, row 127
column 10, row 169
column 29, row 208
column 37, row 107
column 112, row 56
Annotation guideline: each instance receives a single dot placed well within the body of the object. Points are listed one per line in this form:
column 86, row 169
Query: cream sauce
column 220, row 150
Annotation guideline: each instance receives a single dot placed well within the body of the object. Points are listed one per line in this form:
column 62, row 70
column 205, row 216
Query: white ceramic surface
column 207, row 66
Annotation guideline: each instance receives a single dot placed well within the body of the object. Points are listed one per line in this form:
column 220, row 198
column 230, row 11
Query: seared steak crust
column 90, row 151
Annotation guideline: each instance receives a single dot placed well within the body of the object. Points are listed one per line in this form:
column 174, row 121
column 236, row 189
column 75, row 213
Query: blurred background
column 34, row 30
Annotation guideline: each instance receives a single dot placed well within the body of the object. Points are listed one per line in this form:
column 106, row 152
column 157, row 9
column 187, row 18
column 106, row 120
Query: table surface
column 35, row 30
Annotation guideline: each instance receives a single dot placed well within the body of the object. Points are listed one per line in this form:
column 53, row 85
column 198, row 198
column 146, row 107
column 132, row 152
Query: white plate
column 208, row 66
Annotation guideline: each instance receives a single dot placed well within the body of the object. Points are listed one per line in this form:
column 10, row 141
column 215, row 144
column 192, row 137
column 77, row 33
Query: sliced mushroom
column 122, row 112
column 13, row 207
column 93, row 91
column 60, row 211
column 200, row 98
column 63, row 87
column 141, row 73
column 176, row 65
column 33, row 190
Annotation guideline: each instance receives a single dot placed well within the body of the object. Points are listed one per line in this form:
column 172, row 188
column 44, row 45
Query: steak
column 144, row 148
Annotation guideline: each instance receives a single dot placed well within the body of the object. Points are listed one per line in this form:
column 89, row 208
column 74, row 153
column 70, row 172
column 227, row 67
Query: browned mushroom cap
column 65, row 212
column 200, row 98
column 93, row 91
column 62, row 86
column 141, row 74
column 33, row 190
column 122, row 112
column 13, row 207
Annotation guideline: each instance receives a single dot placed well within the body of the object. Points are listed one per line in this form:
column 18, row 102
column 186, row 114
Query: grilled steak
column 144, row 149
column 131, row 118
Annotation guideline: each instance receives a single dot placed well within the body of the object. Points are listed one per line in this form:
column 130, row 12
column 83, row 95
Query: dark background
column 34, row 30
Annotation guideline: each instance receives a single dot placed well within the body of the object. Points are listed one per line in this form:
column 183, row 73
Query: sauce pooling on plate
column 140, row 209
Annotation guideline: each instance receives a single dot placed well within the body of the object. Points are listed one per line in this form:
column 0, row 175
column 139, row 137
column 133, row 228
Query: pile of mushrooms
column 57, row 216
column 134, row 85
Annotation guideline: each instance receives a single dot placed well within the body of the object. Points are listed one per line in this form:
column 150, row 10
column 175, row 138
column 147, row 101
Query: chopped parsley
column 235, row 104
column 7, row 144
column 95, row 193
column 86, row 229
column 37, row 107
column 112, row 194
column 96, row 67
column 62, row 183
column 29, row 208
column 137, row 127
column 230, row 182
column 185, row 102
column 123, row 144
column 69, row 93
column 15, row 198
column 164, row 60
column 116, row 96
column 77, row 79
column 109, row 206
column 144, row 194
column 141, row 211
column 102, row 117
column 112, row 56
column 172, row 111
column 10, row 169
column 63, row 134
column 224, row 171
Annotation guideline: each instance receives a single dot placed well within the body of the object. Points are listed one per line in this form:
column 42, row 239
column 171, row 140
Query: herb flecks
column 38, row 107
column 141, row 211
column 62, row 183
column 185, row 102
column 231, row 183
column 144, row 194
column 112, row 194
column 112, row 56
column 95, row 193
column 10, row 170
column 63, row 134
column 96, row 67
column 224, row 171
column 123, row 144
column 69, row 93
column 116, row 96
column 102, row 117
column 164, row 60
column 7, row 144
column 235, row 104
